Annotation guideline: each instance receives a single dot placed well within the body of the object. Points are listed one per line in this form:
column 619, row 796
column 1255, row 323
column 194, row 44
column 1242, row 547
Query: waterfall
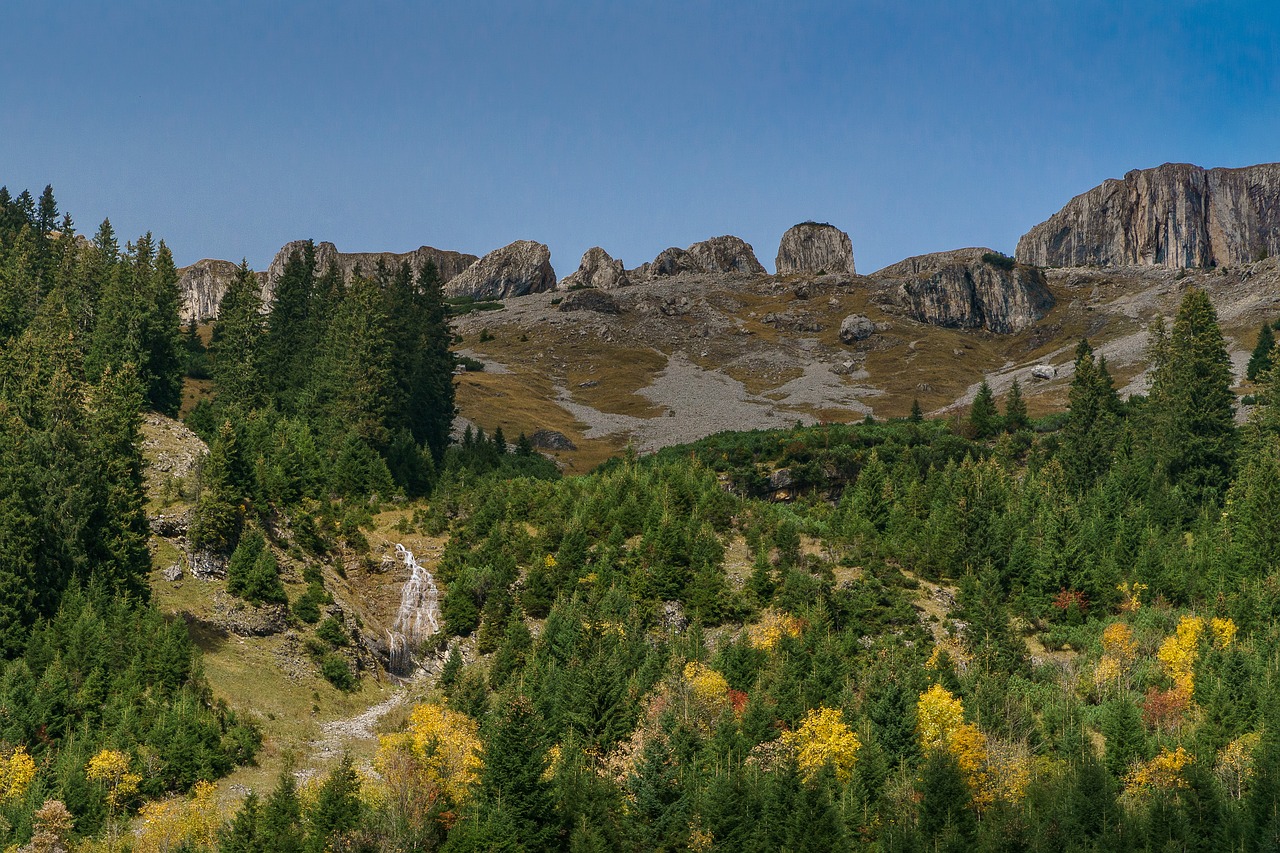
column 419, row 614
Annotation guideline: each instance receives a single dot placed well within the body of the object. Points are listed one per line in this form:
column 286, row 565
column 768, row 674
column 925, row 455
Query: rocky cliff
column 727, row 254
column 201, row 287
column 968, row 289
column 814, row 247
column 517, row 269
column 1176, row 215
column 597, row 270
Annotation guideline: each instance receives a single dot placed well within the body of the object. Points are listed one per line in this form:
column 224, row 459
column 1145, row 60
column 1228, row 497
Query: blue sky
column 920, row 126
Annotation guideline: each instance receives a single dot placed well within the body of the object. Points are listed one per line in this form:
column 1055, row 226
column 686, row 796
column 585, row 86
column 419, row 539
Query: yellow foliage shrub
column 824, row 738
column 709, row 687
column 1180, row 651
column 1164, row 772
column 16, row 773
column 440, row 750
column 772, row 627
column 175, row 825
column 1235, row 763
column 1224, row 632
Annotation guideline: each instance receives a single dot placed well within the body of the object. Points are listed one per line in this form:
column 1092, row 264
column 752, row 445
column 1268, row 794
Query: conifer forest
column 987, row 632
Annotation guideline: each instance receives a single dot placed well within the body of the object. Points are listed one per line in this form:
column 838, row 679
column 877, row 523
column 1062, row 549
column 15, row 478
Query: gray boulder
column 855, row 328
column 589, row 300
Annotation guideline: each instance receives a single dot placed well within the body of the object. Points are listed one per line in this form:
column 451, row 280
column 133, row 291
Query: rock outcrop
column 589, row 299
column 1176, row 215
column 201, row 287
column 448, row 264
column 969, row 289
column 727, row 254
column 517, row 269
column 815, row 247
column 597, row 270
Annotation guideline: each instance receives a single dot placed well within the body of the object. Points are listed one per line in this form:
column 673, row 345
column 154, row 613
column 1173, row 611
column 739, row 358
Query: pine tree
column 431, row 400
column 1263, row 354
column 236, row 345
column 1089, row 437
column 337, row 809
column 1193, row 428
column 984, row 420
column 917, row 415
column 288, row 348
column 513, row 782
column 280, row 827
column 164, row 369
column 1015, row 410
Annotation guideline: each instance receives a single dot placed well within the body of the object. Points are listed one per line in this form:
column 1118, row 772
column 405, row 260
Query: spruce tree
column 1263, row 354
column 984, row 420
column 1089, row 437
column 236, row 345
column 1015, row 410
column 512, row 781
column 1193, row 427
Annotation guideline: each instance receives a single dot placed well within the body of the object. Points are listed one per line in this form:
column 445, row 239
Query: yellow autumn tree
column 1163, row 773
column 1180, row 651
column 1235, row 763
column 1223, row 631
column 1119, row 651
column 438, row 752
column 938, row 715
column 824, row 738
column 111, row 768
column 16, row 773
column 771, row 628
column 710, row 690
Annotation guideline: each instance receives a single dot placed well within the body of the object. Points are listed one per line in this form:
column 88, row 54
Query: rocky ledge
column 815, row 247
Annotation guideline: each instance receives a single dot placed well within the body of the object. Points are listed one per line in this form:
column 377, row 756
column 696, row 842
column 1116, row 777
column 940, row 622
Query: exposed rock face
column 961, row 290
column 856, row 327
column 813, row 247
column 448, row 264
column 1176, row 215
column 517, row 269
column 201, row 287
column 589, row 300
column 726, row 254
column 597, row 270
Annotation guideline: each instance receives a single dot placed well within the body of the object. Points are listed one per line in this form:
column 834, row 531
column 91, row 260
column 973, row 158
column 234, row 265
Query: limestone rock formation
column 815, row 247
column 727, row 254
column 1176, row 215
column 969, row 289
column 448, row 264
column 597, row 270
column 856, row 327
column 589, row 299
column 201, row 287
column 517, row 269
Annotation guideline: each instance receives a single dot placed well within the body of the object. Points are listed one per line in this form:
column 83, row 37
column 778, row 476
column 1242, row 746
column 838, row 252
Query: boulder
column 549, row 439
column 815, row 247
column 597, row 270
column 969, row 289
column 855, row 328
column 1044, row 371
column 1176, row 215
column 589, row 300
column 672, row 261
column 517, row 269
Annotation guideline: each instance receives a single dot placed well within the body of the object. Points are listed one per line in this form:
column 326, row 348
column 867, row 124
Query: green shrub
column 338, row 672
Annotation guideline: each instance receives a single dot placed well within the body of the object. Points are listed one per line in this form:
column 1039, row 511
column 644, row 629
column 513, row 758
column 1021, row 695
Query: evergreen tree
column 917, row 415
column 237, row 340
column 1015, row 410
column 512, row 783
column 1089, row 437
column 1263, row 356
column 984, row 420
column 336, row 813
column 280, row 828
column 431, row 399
column 165, row 360
column 1193, row 411
column 288, row 348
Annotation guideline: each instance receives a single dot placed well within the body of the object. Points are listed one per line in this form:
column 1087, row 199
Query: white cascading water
column 419, row 615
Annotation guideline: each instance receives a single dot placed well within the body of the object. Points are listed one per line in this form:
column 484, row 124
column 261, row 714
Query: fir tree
column 1263, row 354
column 1192, row 405
column 1089, row 437
column 984, row 420
column 1015, row 410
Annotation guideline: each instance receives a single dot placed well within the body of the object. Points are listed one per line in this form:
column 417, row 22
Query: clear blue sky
column 229, row 128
